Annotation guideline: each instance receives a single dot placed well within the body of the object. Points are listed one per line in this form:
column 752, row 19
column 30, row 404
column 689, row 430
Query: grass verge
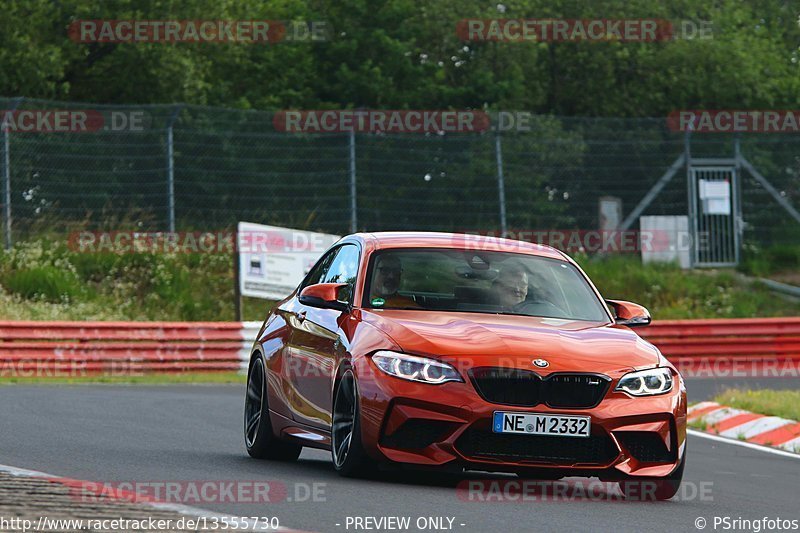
column 670, row 292
column 782, row 403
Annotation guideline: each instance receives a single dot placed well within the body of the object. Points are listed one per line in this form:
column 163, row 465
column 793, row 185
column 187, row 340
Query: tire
column 347, row 450
column 654, row 489
column 259, row 438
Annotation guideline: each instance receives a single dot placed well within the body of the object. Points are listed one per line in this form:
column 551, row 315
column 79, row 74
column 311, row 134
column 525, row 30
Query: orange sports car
column 459, row 351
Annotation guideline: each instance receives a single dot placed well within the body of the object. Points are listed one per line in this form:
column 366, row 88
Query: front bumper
column 450, row 424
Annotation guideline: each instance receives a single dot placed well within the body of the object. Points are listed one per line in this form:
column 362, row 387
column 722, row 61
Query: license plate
column 541, row 424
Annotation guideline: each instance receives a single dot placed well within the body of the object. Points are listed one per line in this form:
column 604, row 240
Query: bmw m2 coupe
column 457, row 351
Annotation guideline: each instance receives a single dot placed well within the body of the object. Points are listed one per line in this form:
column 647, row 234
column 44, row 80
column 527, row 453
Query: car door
column 314, row 344
column 283, row 394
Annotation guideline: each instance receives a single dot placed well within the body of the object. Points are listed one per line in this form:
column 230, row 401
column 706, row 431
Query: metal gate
column 714, row 214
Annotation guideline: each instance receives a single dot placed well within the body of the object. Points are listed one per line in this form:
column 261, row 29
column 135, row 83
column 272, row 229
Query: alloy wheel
column 344, row 414
column 254, row 402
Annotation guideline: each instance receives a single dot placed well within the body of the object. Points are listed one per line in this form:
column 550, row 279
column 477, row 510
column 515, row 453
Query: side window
column 343, row 269
column 319, row 270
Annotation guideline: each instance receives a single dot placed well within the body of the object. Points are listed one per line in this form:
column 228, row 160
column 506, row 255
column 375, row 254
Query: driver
column 512, row 291
column 510, row 288
column 386, row 282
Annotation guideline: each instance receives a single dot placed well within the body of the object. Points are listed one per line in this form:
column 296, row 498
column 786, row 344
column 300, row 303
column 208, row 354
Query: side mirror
column 629, row 314
column 324, row 296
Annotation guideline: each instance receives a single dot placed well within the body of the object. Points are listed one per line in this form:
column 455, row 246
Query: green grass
column 670, row 292
column 783, row 403
column 45, row 280
column 48, row 283
column 146, row 379
column 698, row 424
column 766, row 262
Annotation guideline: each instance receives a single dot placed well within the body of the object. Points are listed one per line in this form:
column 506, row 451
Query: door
column 713, row 215
column 314, row 343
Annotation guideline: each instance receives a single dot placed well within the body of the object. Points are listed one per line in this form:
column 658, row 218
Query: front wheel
column 259, row 438
column 349, row 457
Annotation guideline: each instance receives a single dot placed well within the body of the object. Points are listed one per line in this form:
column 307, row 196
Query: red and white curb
column 741, row 425
column 127, row 497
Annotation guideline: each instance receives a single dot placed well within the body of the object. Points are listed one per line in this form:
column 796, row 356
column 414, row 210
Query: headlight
column 646, row 382
column 415, row 368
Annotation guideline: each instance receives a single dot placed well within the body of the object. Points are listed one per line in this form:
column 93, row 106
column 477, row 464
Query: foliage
column 764, row 262
column 670, row 292
column 406, row 54
column 46, row 280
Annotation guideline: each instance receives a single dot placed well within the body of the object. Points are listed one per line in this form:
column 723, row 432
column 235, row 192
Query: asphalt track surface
column 152, row 434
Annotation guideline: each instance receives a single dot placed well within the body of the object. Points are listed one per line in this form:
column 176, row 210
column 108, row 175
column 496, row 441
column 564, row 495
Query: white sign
column 716, row 197
column 610, row 212
column 274, row 260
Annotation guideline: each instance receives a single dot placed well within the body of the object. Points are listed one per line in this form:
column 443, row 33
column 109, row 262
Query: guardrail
column 122, row 348
column 764, row 346
column 72, row 348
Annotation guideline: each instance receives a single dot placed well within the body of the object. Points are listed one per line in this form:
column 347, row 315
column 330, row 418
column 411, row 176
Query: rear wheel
column 259, row 438
column 349, row 457
column 658, row 488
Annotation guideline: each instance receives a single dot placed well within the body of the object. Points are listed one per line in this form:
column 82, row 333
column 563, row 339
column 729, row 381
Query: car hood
column 504, row 340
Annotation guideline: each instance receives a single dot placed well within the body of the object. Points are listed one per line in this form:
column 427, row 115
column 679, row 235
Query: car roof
column 459, row 241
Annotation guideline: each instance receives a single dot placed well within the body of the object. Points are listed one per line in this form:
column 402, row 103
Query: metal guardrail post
column 171, row 169
column 7, row 176
column 738, row 221
column 353, row 193
column 692, row 197
column 501, row 186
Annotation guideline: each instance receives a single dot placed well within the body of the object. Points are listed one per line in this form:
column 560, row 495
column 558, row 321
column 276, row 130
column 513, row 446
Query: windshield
column 480, row 282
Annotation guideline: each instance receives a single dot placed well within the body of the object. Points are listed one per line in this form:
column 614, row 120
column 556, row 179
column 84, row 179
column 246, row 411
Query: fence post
column 692, row 197
column 7, row 173
column 353, row 200
column 171, row 169
column 501, row 186
column 738, row 221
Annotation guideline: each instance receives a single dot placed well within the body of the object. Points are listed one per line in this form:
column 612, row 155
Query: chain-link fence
column 197, row 168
